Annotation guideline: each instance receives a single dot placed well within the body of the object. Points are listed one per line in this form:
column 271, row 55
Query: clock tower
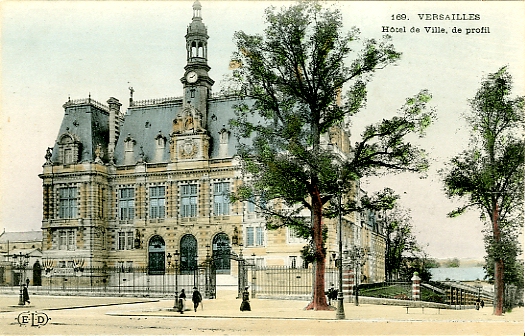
column 196, row 81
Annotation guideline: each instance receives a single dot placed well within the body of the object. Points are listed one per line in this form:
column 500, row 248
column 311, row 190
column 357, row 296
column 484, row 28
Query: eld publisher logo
column 33, row 319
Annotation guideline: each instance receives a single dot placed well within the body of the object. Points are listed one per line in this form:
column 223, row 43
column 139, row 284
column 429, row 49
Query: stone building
column 20, row 244
column 125, row 188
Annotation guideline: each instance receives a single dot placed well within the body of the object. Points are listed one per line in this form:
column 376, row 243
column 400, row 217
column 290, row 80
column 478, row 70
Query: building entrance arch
column 156, row 255
column 37, row 274
column 188, row 253
column 221, row 253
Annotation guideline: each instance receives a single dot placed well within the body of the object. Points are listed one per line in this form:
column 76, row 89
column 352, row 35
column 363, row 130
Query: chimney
column 114, row 124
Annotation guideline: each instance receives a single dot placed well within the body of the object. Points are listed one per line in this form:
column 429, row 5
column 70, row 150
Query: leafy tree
column 454, row 262
column 433, row 263
column 513, row 267
column 489, row 174
column 397, row 227
column 292, row 78
column 415, row 262
column 403, row 255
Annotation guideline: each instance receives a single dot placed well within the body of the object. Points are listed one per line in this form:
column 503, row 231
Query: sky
column 53, row 50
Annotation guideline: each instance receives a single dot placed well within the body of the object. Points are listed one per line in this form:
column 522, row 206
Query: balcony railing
column 87, row 101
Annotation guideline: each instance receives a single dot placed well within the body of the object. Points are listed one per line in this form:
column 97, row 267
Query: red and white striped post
column 348, row 281
column 416, row 290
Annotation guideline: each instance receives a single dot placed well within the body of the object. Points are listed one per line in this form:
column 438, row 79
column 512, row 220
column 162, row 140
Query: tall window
column 67, row 240
column 189, row 200
column 294, row 237
column 221, row 200
column 68, row 156
column 250, row 206
column 157, row 202
column 255, row 203
column 249, row 236
column 126, row 203
column 254, row 236
column 68, row 202
column 125, row 240
column 293, row 261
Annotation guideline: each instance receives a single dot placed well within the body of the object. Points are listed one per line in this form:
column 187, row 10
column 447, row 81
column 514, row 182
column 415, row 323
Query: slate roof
column 24, row 236
column 88, row 120
column 144, row 123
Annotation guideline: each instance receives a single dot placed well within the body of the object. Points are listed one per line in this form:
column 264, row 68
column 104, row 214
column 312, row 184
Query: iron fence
column 134, row 281
column 283, row 280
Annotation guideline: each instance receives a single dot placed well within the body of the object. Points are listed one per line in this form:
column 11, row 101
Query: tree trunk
column 319, row 298
column 498, row 266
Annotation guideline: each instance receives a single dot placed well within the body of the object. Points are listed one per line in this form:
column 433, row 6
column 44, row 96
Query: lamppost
column 21, row 261
column 241, row 275
column 176, row 266
column 340, row 314
column 209, row 265
column 357, row 260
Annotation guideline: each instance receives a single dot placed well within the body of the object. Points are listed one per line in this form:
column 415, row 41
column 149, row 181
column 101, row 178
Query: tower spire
column 196, row 80
column 197, row 10
column 197, row 37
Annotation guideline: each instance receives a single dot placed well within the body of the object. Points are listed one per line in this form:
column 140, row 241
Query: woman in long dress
column 245, row 304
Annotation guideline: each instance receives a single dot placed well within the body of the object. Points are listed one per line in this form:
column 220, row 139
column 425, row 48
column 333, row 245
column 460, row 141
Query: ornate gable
column 189, row 140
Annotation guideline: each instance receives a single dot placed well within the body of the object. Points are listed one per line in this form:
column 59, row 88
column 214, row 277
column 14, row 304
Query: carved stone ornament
column 99, row 153
column 188, row 121
column 188, row 149
column 49, row 154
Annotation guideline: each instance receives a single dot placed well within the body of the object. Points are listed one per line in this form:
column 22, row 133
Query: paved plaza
column 70, row 315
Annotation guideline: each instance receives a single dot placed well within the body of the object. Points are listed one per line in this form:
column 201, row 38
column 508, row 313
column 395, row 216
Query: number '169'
column 399, row 17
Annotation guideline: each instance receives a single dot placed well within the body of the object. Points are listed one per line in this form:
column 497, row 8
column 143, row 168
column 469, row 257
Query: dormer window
column 69, row 149
column 129, row 147
column 161, row 140
column 224, row 137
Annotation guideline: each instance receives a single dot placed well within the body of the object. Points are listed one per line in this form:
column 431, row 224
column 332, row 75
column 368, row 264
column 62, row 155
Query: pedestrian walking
column 182, row 300
column 477, row 304
column 245, row 304
column 196, row 298
column 331, row 294
column 482, row 303
column 25, row 294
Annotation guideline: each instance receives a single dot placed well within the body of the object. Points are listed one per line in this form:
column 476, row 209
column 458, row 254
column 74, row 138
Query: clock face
column 192, row 77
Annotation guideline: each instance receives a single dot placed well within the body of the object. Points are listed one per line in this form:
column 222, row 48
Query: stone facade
column 131, row 187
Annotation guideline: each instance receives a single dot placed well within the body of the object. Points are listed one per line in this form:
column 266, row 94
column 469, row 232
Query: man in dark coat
column 196, row 298
column 182, row 299
column 25, row 294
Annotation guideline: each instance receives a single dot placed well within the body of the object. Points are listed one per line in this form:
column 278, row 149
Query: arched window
column 188, row 253
column 200, row 50
column 193, row 49
column 69, row 149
